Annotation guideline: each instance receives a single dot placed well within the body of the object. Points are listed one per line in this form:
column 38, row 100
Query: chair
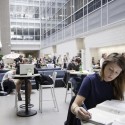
column 69, row 86
column 52, row 92
column 16, row 100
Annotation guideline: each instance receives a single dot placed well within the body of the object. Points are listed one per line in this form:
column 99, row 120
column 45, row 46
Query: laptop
column 26, row 69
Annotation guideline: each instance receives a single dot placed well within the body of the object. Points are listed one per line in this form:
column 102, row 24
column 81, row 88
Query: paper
column 120, row 121
column 108, row 112
column 113, row 106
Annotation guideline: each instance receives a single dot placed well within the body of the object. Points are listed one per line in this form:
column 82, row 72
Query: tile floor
column 49, row 116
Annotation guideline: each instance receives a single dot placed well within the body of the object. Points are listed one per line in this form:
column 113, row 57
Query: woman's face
column 111, row 71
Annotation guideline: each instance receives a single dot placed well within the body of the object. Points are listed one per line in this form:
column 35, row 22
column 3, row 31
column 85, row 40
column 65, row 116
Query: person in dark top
column 75, row 79
column 97, row 88
column 75, row 64
column 18, row 60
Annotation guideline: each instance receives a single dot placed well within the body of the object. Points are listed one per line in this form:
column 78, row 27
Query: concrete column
column 5, row 27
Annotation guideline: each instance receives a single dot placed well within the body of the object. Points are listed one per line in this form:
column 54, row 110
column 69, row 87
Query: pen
column 84, row 106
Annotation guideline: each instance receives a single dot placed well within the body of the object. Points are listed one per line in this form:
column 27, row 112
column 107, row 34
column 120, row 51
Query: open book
column 108, row 112
column 120, row 121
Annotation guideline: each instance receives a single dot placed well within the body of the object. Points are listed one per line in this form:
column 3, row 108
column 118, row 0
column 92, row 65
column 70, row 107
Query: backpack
column 8, row 86
column 43, row 80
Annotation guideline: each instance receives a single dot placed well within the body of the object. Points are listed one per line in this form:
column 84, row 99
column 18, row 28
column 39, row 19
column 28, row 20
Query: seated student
column 19, row 82
column 74, row 64
column 97, row 88
column 7, row 83
column 75, row 80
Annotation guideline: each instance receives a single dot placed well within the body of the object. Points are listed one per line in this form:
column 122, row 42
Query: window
column 78, row 4
column 91, row 7
column 85, row 2
column 97, row 3
column 37, row 31
column 104, row 2
column 25, row 31
column 31, row 31
column 79, row 14
column 109, row 0
column 19, row 31
column 37, row 37
column 85, row 10
column 67, row 21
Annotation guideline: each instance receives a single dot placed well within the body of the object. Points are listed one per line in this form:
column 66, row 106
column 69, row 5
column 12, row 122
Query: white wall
column 63, row 48
column 108, row 50
column 109, row 40
column 69, row 46
column 48, row 50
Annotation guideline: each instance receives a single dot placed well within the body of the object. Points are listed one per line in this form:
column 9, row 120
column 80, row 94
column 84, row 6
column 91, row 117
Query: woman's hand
column 82, row 114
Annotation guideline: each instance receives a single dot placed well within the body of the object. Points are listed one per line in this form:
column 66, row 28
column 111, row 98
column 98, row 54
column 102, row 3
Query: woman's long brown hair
column 119, row 82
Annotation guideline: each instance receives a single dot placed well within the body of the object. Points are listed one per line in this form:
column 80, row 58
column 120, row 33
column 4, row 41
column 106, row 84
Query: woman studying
column 97, row 88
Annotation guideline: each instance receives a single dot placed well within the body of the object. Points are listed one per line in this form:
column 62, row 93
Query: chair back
column 54, row 77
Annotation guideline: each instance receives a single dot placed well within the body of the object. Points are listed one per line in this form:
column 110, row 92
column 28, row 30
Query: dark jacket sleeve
column 18, row 70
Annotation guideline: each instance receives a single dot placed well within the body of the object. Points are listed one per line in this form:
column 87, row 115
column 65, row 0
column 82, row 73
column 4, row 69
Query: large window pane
column 13, row 31
column 19, row 31
column 59, row 15
column 68, row 21
column 91, row 7
column 79, row 14
column 59, row 26
column 25, row 12
column 37, row 37
column 97, row 4
column 25, row 31
column 78, row 4
column 37, row 10
column 31, row 12
column 19, row 9
column 37, row 31
column 31, row 31
column 85, row 2
column 85, row 10
column 68, row 9
column 104, row 2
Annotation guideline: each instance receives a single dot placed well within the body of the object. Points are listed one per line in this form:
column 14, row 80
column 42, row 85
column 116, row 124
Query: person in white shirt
column 60, row 61
column 104, row 55
column 8, row 76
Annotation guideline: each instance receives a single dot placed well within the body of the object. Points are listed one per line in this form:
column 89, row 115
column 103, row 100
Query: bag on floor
column 2, row 93
column 8, row 86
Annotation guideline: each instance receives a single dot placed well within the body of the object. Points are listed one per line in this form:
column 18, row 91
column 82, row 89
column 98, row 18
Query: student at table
column 96, row 88
column 74, row 78
column 74, row 64
column 19, row 82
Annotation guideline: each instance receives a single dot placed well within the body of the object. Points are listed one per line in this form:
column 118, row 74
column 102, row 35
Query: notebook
column 27, row 69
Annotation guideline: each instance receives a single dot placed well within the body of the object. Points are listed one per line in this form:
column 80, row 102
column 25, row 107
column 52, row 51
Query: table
column 72, row 72
column 26, row 112
column 87, row 123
